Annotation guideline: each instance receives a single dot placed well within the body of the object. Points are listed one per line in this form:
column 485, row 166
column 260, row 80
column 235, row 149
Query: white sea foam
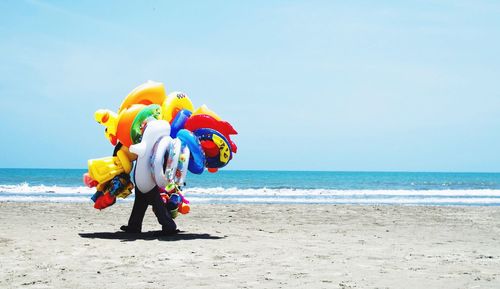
column 444, row 201
column 48, row 199
column 253, row 200
column 283, row 193
column 25, row 188
column 41, row 193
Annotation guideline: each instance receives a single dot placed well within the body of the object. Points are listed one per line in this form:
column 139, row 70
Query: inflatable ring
column 147, row 93
column 182, row 167
column 143, row 179
column 174, row 152
column 175, row 102
column 138, row 125
column 179, row 121
column 158, row 159
column 125, row 120
column 197, row 159
column 219, row 161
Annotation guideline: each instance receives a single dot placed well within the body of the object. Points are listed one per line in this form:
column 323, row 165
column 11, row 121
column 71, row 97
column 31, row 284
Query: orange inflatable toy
column 148, row 93
column 125, row 120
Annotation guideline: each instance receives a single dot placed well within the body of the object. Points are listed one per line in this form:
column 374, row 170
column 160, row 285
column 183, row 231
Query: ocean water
column 469, row 189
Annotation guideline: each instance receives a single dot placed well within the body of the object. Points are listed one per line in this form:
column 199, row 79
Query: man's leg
column 138, row 211
column 161, row 212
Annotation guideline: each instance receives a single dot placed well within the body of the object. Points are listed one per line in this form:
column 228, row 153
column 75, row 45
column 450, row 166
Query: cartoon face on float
column 224, row 154
column 175, row 102
column 109, row 120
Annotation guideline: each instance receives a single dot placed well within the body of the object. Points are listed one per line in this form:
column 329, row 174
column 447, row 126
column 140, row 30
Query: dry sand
column 252, row 246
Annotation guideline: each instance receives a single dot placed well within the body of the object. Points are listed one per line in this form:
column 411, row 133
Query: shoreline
column 130, row 200
column 252, row 246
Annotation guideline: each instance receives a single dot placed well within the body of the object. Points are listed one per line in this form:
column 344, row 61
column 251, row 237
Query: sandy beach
column 56, row 245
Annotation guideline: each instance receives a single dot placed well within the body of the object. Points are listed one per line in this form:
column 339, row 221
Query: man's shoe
column 166, row 233
column 127, row 229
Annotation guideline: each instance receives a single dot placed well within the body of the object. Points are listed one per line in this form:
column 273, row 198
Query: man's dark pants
column 141, row 203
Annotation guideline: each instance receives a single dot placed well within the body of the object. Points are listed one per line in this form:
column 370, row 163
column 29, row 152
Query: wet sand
column 251, row 246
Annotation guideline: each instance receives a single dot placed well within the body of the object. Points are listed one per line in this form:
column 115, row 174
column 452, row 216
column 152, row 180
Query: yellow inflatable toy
column 104, row 169
column 131, row 156
column 175, row 102
column 148, row 93
column 109, row 120
column 205, row 110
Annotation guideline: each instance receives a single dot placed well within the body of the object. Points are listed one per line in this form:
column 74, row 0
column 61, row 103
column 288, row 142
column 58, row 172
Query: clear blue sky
column 312, row 85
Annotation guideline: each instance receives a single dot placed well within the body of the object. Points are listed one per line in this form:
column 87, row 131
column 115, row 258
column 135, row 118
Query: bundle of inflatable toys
column 165, row 137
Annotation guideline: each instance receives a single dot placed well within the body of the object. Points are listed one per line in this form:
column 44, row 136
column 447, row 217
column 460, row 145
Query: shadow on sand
column 151, row 235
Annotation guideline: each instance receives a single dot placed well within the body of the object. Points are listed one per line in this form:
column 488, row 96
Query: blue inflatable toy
column 197, row 158
column 179, row 121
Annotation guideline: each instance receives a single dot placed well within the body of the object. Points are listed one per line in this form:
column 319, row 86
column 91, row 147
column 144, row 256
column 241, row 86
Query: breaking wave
column 25, row 192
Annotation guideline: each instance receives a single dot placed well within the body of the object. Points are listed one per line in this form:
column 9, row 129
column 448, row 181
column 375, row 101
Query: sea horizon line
column 293, row 170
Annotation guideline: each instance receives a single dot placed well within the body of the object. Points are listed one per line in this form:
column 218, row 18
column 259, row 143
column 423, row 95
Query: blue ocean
column 286, row 187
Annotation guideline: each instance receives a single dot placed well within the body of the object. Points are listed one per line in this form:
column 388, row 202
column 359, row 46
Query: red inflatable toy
column 206, row 121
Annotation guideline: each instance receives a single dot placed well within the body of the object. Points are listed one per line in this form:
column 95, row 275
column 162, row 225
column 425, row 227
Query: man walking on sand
column 141, row 203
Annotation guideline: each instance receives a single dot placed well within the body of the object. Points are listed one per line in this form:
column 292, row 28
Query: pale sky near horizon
column 309, row 85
